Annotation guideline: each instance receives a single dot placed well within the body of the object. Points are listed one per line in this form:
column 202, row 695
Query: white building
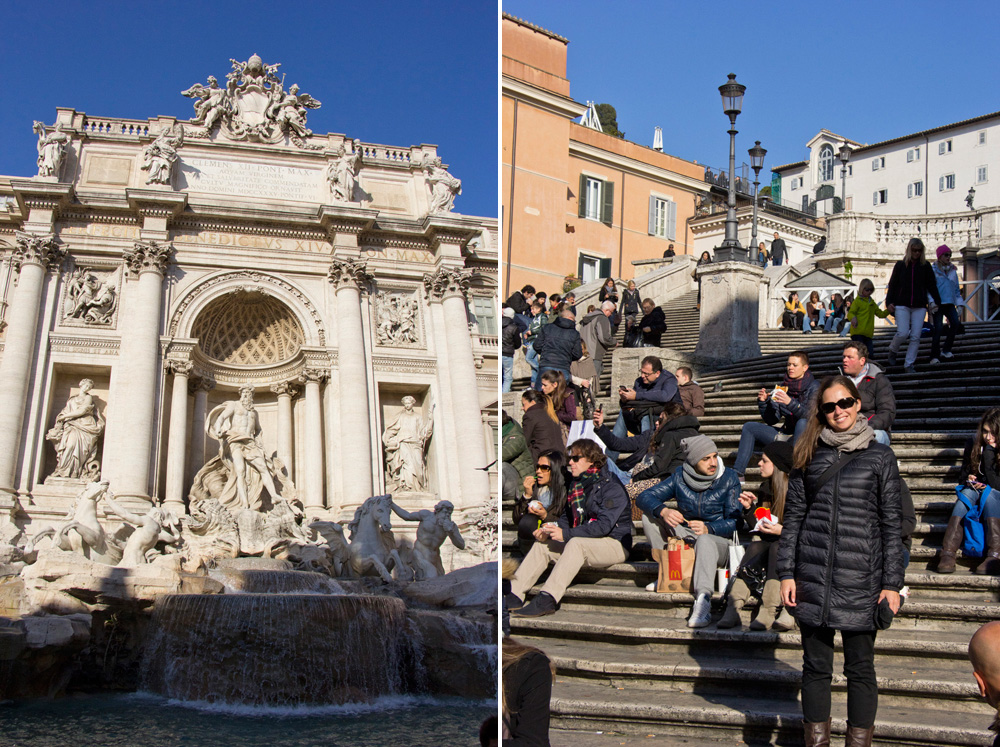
column 918, row 174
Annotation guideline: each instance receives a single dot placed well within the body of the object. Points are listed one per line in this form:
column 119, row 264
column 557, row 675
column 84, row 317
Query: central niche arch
column 248, row 328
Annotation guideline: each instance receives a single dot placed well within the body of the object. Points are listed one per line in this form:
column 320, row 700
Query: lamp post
column 844, row 154
column 732, row 104
column 756, row 163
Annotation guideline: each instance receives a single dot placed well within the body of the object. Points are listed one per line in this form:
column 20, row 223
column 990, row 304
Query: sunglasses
column 575, row 458
column 543, row 468
column 844, row 404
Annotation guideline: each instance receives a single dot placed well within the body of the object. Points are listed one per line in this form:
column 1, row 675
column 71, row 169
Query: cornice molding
column 636, row 168
column 551, row 102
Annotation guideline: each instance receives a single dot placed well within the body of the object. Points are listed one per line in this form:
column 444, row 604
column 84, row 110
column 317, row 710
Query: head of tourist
column 865, row 288
column 814, row 297
column 701, row 453
column 775, row 234
column 944, row 255
column 762, row 247
column 583, row 455
column 530, row 398
column 541, row 297
column 684, row 375
column 984, row 653
column 554, row 385
column 648, row 306
column 797, row 364
column 705, row 257
column 631, row 285
column 549, row 470
column 793, row 297
column 609, row 284
column 537, row 307
column 528, row 292
column 608, row 308
column 777, row 456
column 989, row 427
column 915, row 252
column 570, row 299
column 837, row 407
column 855, row 358
column 671, row 411
column 650, row 369
column 567, row 312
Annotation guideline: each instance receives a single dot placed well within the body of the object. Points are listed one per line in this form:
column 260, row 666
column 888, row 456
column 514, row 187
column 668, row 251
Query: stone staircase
column 627, row 662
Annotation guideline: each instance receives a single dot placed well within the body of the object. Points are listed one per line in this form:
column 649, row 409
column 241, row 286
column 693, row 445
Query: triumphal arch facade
column 185, row 303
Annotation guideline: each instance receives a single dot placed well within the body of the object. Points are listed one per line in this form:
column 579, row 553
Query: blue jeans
column 532, row 358
column 507, row 362
column 944, row 310
column 763, row 434
column 807, row 325
column 621, row 430
column 882, row 437
column 991, row 506
column 618, row 472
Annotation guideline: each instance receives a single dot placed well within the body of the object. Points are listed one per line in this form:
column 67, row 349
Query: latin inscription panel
column 245, row 179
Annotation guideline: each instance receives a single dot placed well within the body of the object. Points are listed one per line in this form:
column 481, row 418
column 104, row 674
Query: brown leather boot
column 859, row 737
column 949, row 545
column 991, row 563
column 818, row 734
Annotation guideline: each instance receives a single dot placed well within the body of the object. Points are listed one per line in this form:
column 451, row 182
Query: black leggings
column 859, row 668
column 765, row 552
column 525, row 528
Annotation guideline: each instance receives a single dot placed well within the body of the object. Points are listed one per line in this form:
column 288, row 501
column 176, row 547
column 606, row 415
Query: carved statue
column 212, row 103
column 75, row 435
column 89, row 299
column 290, row 111
column 342, row 174
column 51, row 149
column 373, row 546
column 435, row 527
column 405, row 440
column 242, row 472
column 159, row 156
column 396, row 319
column 82, row 533
column 156, row 525
column 444, row 187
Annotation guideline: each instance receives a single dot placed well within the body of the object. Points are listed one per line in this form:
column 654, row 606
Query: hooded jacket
column 718, row 506
column 558, row 345
column 510, row 337
column 771, row 412
column 607, row 512
column 668, row 455
column 864, row 310
column 595, row 330
column 843, row 542
column 515, row 449
column 878, row 402
column 657, row 323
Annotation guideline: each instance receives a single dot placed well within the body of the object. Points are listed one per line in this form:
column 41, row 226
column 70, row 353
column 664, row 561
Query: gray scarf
column 698, row 482
column 854, row 438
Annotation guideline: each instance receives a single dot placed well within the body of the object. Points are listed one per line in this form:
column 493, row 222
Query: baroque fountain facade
column 225, row 342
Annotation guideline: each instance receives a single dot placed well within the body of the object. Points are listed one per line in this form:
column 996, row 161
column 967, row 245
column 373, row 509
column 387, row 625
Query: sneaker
column 540, row 606
column 701, row 612
column 909, row 369
column 513, row 601
column 933, row 361
column 651, row 586
column 947, row 354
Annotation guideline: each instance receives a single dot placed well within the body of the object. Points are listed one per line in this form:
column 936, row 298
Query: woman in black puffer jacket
column 840, row 555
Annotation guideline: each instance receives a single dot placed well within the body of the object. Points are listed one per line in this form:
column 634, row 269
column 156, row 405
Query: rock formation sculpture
column 77, row 430
column 434, row 528
column 158, row 157
column 51, row 149
column 405, row 440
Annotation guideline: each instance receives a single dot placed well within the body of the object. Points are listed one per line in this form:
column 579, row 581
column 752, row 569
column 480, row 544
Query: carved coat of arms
column 254, row 106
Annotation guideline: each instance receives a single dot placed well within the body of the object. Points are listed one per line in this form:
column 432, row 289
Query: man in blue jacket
column 639, row 402
column 708, row 508
column 558, row 344
column 595, row 530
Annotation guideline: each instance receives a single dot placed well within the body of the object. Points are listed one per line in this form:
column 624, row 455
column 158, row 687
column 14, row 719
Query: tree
column 765, row 191
column 609, row 120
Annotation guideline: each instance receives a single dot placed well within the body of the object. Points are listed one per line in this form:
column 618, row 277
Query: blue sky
column 867, row 71
column 395, row 73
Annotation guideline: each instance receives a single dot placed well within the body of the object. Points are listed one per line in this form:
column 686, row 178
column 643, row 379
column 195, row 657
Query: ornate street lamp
column 756, row 163
column 844, row 154
column 732, row 104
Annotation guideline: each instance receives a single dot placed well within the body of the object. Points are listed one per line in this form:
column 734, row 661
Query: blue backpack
column 974, row 539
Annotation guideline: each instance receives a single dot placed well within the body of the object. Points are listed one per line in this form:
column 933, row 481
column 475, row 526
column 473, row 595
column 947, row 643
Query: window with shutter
column 605, row 271
column 672, row 220
column 608, row 213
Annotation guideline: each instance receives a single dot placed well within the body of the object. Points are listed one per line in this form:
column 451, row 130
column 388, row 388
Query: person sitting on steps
column 655, row 453
column 708, row 509
column 878, row 402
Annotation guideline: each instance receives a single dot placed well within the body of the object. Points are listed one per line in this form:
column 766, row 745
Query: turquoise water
column 140, row 720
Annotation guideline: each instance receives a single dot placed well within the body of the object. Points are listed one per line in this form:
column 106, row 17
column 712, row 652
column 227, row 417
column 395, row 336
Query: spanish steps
column 627, row 663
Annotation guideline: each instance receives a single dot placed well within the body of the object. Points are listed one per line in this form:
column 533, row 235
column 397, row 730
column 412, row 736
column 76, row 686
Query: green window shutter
column 579, row 267
column 581, row 196
column 605, row 268
column 671, row 220
column 652, row 216
column 608, row 193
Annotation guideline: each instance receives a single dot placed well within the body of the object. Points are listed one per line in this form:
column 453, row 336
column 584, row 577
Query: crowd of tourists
column 829, row 481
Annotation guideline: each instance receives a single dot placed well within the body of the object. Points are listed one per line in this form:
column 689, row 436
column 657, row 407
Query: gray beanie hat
column 697, row 448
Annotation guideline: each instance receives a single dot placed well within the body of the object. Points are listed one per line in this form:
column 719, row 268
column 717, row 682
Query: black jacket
column 518, row 303
column 909, row 286
column 878, row 402
column 607, row 512
column 668, row 455
column 541, row 432
column 778, row 250
column 558, row 344
column 657, row 324
column 528, row 684
column 772, row 413
column 631, row 302
column 843, row 543
column 510, row 337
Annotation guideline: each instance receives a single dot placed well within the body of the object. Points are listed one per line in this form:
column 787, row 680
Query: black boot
column 949, row 545
column 540, row 606
column 818, row 734
column 991, row 563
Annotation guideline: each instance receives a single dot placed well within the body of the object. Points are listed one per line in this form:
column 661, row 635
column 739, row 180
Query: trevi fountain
column 248, row 404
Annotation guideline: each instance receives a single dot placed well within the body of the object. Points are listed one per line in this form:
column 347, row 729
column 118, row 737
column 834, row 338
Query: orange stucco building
column 575, row 200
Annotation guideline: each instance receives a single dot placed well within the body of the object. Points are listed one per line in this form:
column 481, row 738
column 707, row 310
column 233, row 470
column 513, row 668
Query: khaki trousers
column 592, row 552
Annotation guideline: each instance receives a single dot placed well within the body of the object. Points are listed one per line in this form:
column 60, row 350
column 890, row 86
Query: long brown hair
column 779, row 489
column 558, row 397
column 805, row 445
column 512, row 651
column 991, row 418
column 672, row 410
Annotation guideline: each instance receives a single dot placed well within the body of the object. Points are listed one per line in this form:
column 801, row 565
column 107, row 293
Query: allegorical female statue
column 75, row 434
column 405, row 440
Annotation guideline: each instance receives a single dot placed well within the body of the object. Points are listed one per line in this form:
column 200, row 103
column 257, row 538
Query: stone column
column 313, row 482
column 34, row 254
column 133, row 394
column 349, row 277
column 177, row 443
column 285, row 390
column 200, row 387
column 448, row 287
column 729, row 322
